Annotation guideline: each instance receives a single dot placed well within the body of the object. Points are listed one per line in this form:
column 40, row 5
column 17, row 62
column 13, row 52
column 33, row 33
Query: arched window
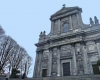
column 65, row 27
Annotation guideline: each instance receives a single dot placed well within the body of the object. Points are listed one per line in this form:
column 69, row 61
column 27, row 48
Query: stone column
column 77, row 19
column 59, row 26
column 70, row 22
column 35, row 67
column 98, row 48
column 80, row 19
column 52, row 25
column 50, row 62
column 58, row 61
column 85, row 59
column 39, row 66
column 74, row 61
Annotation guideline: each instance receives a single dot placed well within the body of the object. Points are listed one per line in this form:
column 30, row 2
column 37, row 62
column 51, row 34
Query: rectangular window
column 65, row 27
column 44, row 72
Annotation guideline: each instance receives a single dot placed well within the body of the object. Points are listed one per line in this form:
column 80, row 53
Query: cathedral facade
column 71, row 47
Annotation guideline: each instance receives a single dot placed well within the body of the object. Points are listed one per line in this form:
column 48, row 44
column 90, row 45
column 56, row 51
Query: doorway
column 96, row 69
column 44, row 72
column 66, row 69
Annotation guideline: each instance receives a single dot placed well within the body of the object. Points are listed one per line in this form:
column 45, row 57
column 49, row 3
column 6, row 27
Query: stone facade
column 70, row 44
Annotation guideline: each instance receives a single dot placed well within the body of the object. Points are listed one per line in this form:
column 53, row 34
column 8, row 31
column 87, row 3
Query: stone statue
column 41, row 33
column 42, row 36
column 91, row 22
column 80, row 67
column 96, row 20
column 44, row 32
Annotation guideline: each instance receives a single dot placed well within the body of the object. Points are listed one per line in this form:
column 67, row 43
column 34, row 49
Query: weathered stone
column 78, row 45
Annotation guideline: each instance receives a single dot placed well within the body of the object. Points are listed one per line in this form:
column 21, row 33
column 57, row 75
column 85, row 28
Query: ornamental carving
column 45, row 57
column 44, row 65
column 91, row 47
column 65, row 53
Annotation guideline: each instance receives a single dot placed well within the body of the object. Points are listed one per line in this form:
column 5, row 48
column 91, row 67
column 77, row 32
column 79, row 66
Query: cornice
column 70, row 38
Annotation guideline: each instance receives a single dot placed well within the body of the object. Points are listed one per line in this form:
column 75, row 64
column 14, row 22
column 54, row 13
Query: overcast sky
column 23, row 20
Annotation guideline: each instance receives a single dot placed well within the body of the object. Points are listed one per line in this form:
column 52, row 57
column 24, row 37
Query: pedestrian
column 7, row 76
column 24, row 75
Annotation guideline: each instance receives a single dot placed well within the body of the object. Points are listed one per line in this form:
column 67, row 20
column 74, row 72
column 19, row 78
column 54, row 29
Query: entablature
column 92, row 33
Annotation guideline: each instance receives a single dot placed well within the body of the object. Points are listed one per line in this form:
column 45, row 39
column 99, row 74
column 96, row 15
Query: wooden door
column 66, row 69
column 44, row 72
column 96, row 69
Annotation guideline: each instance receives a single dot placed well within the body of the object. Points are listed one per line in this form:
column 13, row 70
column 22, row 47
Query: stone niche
column 54, row 62
column 45, row 59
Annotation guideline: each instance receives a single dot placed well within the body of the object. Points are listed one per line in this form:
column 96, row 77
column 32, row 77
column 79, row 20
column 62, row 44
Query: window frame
column 65, row 27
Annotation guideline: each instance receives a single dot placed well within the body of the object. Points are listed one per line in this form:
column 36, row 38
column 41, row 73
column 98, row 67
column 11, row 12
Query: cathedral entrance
column 66, row 69
column 96, row 69
column 44, row 72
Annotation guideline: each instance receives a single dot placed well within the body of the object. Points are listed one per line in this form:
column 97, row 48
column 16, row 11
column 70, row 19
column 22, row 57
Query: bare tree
column 6, row 47
column 18, row 55
column 25, row 63
column 12, row 55
column 29, row 61
column 1, row 31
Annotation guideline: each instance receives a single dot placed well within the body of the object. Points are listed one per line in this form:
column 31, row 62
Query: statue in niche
column 54, row 69
column 96, row 20
column 91, row 22
column 45, row 58
column 80, row 66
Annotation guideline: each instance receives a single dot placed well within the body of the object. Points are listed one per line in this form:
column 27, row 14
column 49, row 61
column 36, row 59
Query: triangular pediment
column 65, row 10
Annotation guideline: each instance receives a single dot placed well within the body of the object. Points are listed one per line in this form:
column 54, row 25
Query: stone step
column 1, row 78
column 87, row 77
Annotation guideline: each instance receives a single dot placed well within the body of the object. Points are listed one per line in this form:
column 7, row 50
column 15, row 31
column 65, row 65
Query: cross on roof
column 63, row 5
